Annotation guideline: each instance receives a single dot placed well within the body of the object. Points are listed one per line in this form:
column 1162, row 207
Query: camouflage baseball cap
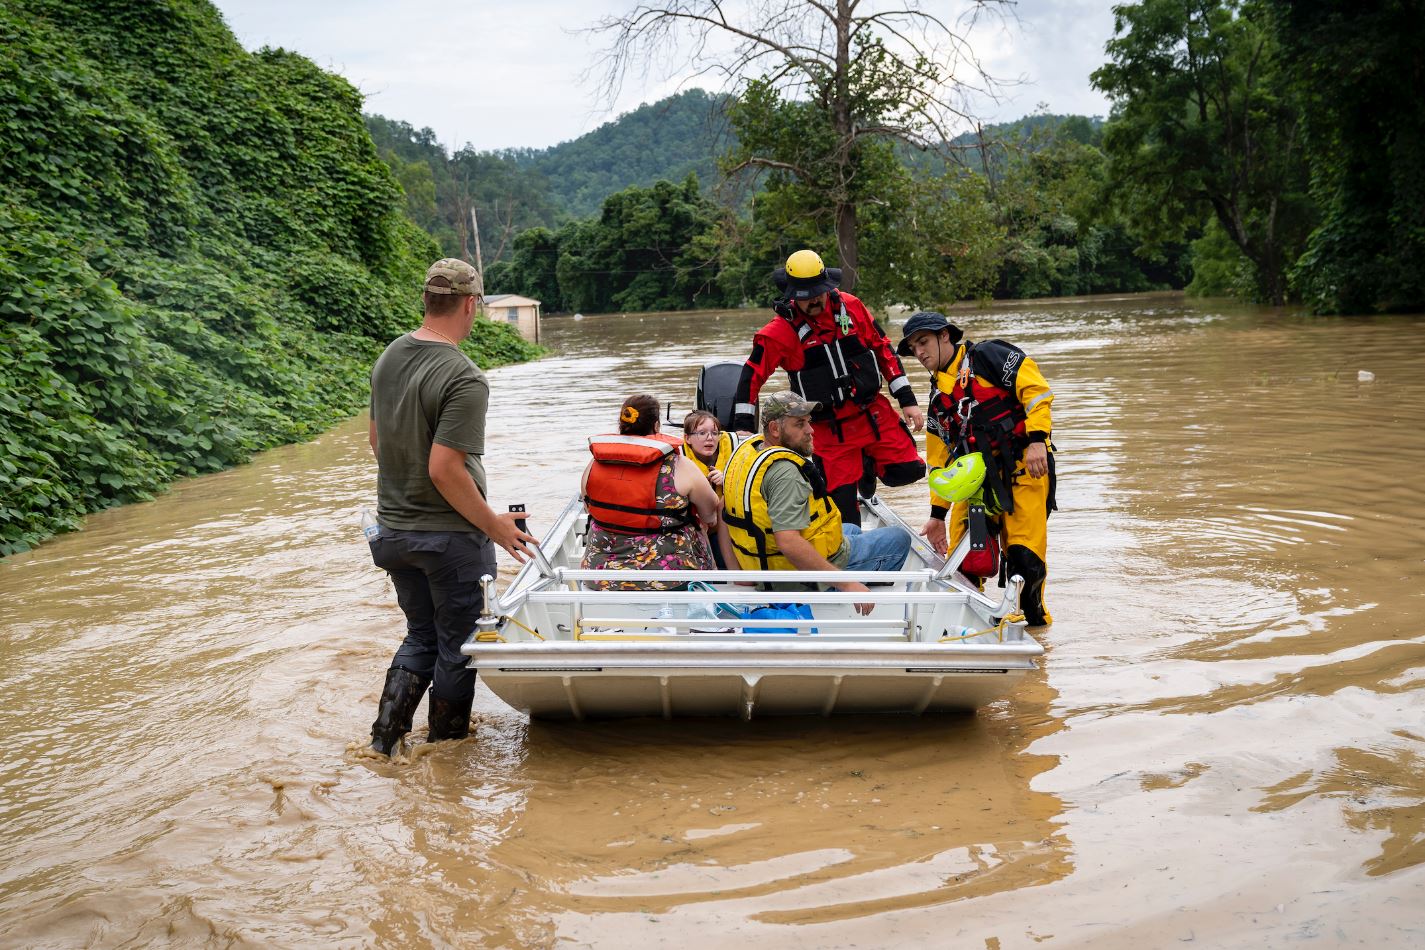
column 451, row 276
column 786, row 403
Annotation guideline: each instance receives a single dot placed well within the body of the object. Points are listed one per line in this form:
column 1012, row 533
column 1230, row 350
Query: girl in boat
column 709, row 448
column 707, row 445
column 645, row 500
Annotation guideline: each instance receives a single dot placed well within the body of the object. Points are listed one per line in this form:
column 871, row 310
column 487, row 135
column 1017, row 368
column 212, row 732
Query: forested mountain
column 602, row 222
column 442, row 190
column 660, row 141
column 200, row 255
column 514, row 190
column 1017, row 216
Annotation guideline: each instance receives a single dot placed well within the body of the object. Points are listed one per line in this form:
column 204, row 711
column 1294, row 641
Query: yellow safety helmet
column 805, row 264
column 806, row 276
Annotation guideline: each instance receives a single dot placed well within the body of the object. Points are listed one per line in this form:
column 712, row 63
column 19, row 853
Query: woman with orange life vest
column 644, row 501
column 990, row 398
column 836, row 355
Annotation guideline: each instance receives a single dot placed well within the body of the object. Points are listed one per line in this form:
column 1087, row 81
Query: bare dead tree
column 916, row 88
column 504, row 226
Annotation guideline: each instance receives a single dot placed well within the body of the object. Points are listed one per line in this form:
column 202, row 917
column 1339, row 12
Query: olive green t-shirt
column 424, row 392
column 787, row 490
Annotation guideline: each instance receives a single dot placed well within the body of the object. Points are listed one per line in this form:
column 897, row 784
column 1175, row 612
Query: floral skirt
column 685, row 549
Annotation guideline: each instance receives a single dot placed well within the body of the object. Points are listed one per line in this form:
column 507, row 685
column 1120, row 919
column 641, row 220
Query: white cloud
column 501, row 75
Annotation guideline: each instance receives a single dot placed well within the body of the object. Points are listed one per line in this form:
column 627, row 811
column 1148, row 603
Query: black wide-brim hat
column 926, row 320
column 805, row 288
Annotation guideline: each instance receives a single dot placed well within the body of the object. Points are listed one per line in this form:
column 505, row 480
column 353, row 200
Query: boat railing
column 567, row 596
column 544, row 583
column 584, row 575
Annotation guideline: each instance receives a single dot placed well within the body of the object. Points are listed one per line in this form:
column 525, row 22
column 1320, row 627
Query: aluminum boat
column 553, row 648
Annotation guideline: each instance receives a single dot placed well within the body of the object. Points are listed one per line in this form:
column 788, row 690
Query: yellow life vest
column 726, row 445
column 745, row 508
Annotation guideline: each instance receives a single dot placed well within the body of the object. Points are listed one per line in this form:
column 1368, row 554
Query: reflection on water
column 1225, row 745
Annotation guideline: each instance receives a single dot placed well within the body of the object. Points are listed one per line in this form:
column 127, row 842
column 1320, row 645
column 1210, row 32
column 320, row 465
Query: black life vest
column 834, row 372
column 988, row 419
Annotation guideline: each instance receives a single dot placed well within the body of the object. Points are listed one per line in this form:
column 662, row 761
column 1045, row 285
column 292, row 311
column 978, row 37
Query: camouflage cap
column 451, row 276
column 786, row 403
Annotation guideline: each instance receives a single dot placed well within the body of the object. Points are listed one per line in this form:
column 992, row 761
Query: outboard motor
column 717, row 390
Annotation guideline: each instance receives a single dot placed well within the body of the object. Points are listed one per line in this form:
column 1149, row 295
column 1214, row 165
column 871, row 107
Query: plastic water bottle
column 369, row 525
column 668, row 612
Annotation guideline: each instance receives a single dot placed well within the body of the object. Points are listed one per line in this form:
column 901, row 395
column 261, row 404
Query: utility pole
column 479, row 260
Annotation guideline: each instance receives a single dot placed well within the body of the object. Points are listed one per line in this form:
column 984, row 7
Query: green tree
column 948, row 246
column 1358, row 69
column 1062, row 236
column 531, row 269
column 868, row 76
column 1204, row 123
column 650, row 249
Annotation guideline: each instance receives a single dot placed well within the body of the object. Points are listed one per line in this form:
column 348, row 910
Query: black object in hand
column 521, row 523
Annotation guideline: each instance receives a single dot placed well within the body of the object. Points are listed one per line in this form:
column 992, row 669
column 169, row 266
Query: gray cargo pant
column 437, row 579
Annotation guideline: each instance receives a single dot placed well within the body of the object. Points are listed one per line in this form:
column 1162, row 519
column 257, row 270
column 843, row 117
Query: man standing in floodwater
column 990, row 399
column 437, row 534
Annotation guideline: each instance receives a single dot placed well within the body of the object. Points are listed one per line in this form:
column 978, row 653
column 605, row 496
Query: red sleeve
column 769, row 351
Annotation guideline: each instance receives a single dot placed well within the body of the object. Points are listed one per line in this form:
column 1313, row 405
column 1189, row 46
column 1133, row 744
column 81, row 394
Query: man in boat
column 437, row 533
column 990, row 398
column 778, row 514
column 836, row 355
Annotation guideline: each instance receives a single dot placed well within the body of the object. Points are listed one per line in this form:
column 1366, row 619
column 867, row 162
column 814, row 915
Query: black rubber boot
column 448, row 719
column 398, row 705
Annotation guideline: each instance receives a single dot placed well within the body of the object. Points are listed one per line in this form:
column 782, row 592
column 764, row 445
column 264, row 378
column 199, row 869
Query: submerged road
column 1225, row 746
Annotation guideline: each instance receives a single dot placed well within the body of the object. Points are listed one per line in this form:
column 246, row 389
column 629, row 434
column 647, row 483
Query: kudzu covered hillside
column 200, row 255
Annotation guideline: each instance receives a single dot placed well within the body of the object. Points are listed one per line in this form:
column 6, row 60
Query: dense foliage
column 1025, row 215
column 443, row 189
column 1357, row 69
column 1030, row 218
column 1203, row 129
column 200, row 253
column 651, row 249
column 1282, row 134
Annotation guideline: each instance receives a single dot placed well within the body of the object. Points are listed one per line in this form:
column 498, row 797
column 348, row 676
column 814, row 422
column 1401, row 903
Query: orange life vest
column 621, row 492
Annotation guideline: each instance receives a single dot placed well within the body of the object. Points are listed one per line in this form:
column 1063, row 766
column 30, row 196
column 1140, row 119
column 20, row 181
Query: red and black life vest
column 988, row 418
column 834, row 372
column 621, row 492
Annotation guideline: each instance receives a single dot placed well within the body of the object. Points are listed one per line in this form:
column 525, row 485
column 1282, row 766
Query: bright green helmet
column 959, row 480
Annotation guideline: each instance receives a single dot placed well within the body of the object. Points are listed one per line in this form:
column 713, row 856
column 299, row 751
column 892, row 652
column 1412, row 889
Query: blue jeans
column 884, row 549
column 437, row 579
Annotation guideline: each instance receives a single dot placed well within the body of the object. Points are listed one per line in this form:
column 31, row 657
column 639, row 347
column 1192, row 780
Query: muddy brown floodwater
column 1225, row 746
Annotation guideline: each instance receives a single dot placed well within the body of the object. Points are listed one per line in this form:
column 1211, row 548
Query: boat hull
column 674, row 680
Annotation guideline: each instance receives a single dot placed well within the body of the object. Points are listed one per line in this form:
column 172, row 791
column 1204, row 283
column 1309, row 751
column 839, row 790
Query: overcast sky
column 509, row 74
